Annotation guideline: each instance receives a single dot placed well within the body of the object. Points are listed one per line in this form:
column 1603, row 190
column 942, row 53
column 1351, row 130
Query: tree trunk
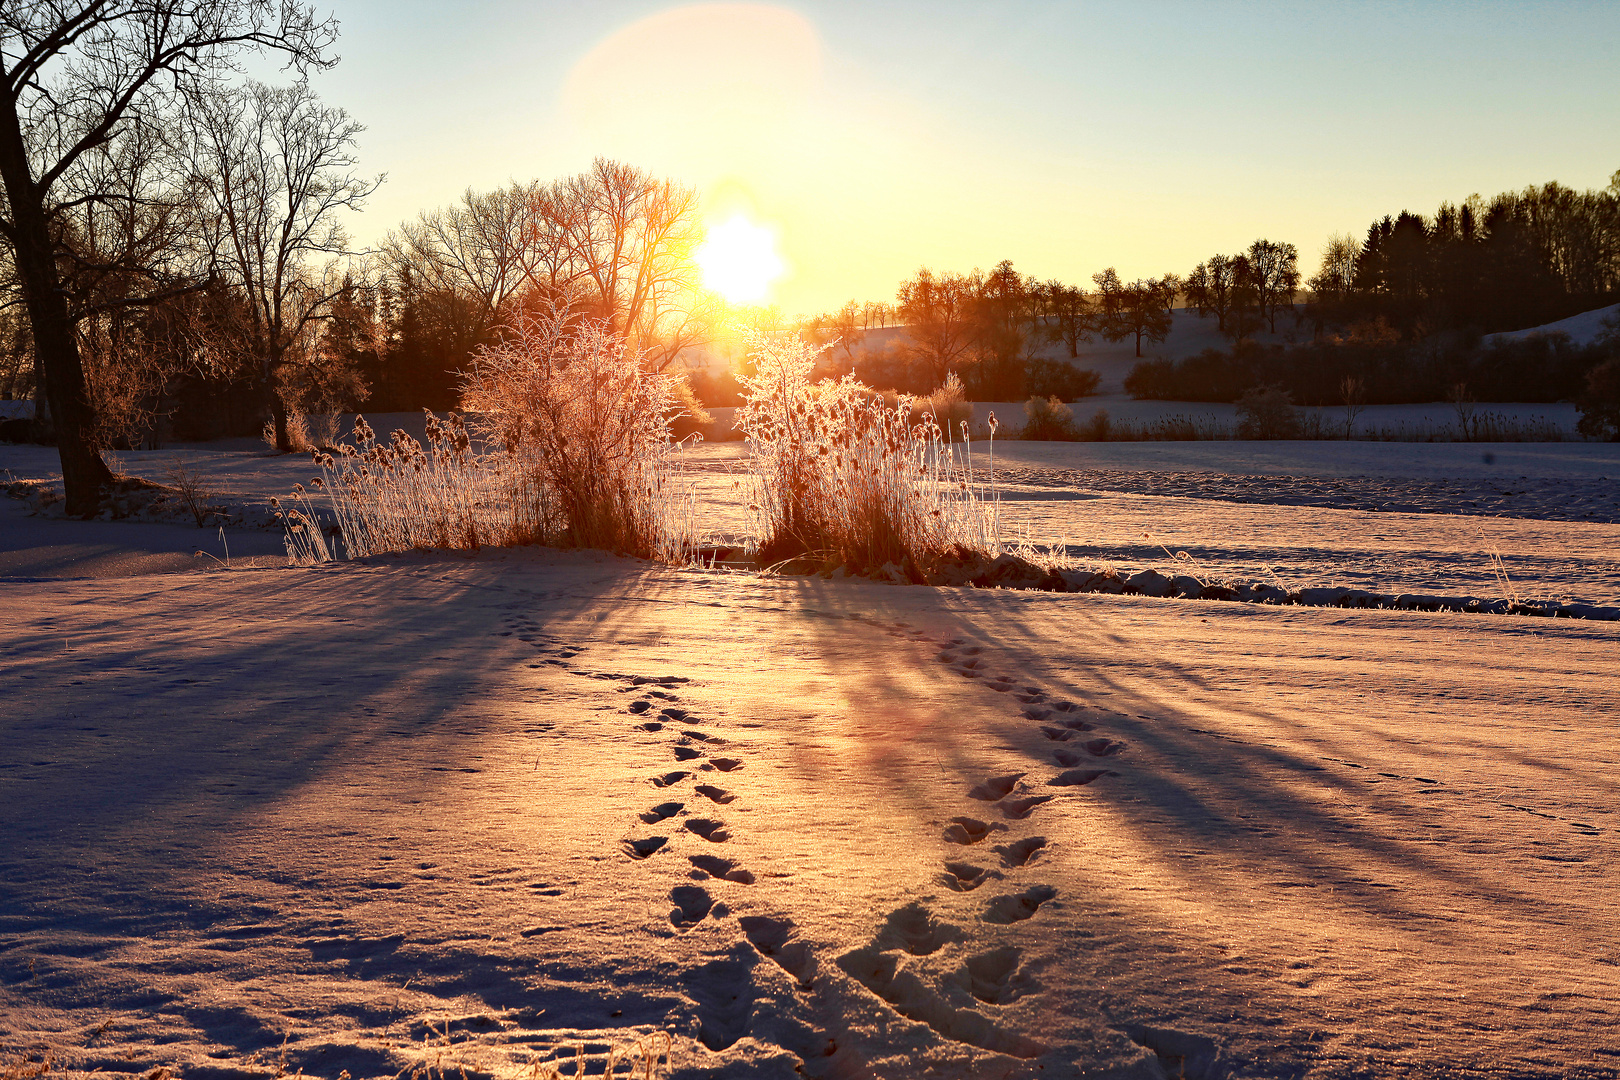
column 56, row 353
column 85, row 477
column 278, row 407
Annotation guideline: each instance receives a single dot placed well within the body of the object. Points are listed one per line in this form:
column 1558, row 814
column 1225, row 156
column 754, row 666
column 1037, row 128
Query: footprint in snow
column 724, row 869
column 692, row 903
column 687, row 753
column 660, row 812
column 713, row 831
column 996, row 787
column 1019, row 809
column 1078, row 777
column 965, row 877
column 967, row 831
column 669, row 778
column 1017, row 907
column 721, row 795
column 993, row 977
column 724, row 764
column 641, row 849
column 774, row 940
column 1020, row 853
column 914, row 929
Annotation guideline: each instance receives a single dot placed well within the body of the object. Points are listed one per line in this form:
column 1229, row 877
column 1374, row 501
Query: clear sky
column 878, row 137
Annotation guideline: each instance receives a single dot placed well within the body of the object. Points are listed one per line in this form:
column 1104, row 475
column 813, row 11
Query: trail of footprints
column 724, row 988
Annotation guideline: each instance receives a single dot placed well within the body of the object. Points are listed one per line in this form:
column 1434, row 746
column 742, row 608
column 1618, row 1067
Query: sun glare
column 739, row 260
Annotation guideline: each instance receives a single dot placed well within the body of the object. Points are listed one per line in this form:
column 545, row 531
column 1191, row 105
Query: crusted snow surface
column 475, row 811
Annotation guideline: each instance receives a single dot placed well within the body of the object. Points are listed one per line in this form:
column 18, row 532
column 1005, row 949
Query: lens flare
column 739, row 260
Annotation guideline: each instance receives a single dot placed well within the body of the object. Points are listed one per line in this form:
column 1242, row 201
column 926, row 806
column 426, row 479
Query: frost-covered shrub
column 1048, row 420
column 576, row 410
column 572, row 447
column 842, row 476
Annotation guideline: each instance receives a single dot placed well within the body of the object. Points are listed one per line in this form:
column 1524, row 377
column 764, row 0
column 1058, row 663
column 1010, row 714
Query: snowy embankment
column 475, row 811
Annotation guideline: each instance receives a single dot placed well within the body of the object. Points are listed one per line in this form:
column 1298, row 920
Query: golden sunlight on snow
column 739, row 260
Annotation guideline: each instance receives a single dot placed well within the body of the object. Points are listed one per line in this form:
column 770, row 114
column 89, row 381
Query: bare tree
column 1140, row 310
column 276, row 166
column 84, row 78
column 940, row 312
column 1209, row 288
column 614, row 244
column 1072, row 315
column 1276, row 277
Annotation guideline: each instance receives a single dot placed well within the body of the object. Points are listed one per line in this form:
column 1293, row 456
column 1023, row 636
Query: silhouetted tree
column 1209, row 288
column 940, row 311
column 83, row 83
column 1071, row 315
column 1140, row 310
column 1275, row 270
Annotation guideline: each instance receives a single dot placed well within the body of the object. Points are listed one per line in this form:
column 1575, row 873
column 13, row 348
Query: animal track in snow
column 905, row 993
column 641, row 849
column 1020, row 853
column 725, row 869
column 692, row 903
column 1180, row 1053
column 660, row 812
column 1019, row 809
column 773, row 939
column 993, row 977
column 725, row 764
column 914, row 929
column 669, row 778
column 966, row 830
column 711, row 830
column 1078, row 777
column 687, row 753
column 1016, row 907
column 965, row 877
column 996, row 788
column 715, row 794
column 724, row 992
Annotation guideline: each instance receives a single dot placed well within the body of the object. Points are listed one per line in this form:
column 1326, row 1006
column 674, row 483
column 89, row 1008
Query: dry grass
column 842, row 476
column 573, row 449
column 401, row 496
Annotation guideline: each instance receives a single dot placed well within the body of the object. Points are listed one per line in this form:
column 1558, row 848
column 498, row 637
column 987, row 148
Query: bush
column 842, row 476
column 575, row 412
column 1098, row 428
column 1600, row 402
column 1267, row 412
column 1060, row 379
column 1048, row 420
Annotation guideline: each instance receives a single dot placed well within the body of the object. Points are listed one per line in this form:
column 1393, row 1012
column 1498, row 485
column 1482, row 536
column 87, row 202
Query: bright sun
column 739, row 260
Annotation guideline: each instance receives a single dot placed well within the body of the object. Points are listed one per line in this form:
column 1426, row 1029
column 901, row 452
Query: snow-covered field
column 474, row 811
